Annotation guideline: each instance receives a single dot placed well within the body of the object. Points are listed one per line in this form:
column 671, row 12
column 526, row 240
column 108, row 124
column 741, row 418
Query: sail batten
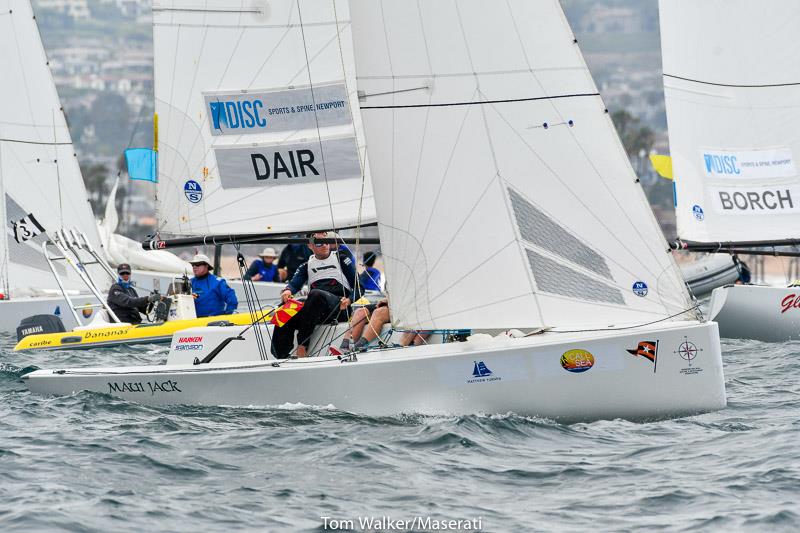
column 504, row 197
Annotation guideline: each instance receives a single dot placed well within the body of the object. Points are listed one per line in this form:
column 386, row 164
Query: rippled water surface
column 93, row 462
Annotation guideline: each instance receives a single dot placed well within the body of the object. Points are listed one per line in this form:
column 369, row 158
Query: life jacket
column 321, row 272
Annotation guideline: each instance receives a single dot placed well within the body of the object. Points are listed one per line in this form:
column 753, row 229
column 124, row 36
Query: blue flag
column 142, row 164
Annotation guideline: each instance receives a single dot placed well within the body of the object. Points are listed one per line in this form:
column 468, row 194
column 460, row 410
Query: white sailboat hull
column 770, row 314
column 525, row 376
column 13, row 311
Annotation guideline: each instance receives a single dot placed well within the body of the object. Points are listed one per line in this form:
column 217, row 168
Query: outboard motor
column 37, row 324
column 162, row 309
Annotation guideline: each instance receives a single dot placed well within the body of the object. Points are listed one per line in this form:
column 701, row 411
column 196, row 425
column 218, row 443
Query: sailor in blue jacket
column 331, row 277
column 212, row 295
column 264, row 268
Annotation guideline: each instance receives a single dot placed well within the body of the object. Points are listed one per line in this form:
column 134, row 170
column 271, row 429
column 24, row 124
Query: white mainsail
column 259, row 129
column 39, row 172
column 732, row 90
column 504, row 196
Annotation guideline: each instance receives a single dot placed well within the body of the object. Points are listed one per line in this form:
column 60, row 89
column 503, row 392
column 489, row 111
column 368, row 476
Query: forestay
column 40, row 181
column 733, row 105
column 259, row 129
column 504, row 196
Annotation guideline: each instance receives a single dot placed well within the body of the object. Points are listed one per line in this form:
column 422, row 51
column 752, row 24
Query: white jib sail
column 39, row 171
column 732, row 89
column 504, row 196
column 259, row 129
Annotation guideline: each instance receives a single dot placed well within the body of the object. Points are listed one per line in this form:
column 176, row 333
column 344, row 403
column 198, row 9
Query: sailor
column 365, row 326
column 212, row 295
column 292, row 256
column 744, row 272
column 264, row 268
column 371, row 279
column 331, row 276
column 123, row 299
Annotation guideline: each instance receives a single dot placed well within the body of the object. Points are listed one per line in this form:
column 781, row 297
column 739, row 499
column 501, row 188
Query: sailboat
column 504, row 201
column 41, row 189
column 733, row 102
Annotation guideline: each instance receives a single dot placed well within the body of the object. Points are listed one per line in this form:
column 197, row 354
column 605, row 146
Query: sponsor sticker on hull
column 481, row 373
column 144, row 387
column 688, row 351
column 577, row 360
column 647, row 350
column 189, row 343
column 790, row 302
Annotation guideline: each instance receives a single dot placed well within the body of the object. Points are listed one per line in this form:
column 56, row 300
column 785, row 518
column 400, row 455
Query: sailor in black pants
column 331, row 275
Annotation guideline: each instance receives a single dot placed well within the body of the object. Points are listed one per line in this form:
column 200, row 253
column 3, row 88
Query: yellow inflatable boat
column 115, row 334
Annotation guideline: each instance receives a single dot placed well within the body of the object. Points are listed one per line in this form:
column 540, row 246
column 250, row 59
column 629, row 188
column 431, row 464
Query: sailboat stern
column 770, row 314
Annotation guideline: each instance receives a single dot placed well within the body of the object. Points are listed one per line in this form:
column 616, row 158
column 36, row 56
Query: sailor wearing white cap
column 212, row 295
column 264, row 268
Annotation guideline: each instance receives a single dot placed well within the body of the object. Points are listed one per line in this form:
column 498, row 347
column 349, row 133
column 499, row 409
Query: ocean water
column 90, row 462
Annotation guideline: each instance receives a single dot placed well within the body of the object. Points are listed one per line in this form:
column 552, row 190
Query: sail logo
column 300, row 164
column 481, row 373
column 721, row 164
column 270, row 165
column 237, row 114
column 756, row 200
column 748, row 164
column 577, row 361
column 282, row 110
column 640, row 288
column 193, row 191
column 698, row 212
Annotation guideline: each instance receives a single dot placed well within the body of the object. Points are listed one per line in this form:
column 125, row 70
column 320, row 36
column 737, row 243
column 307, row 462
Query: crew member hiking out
column 331, row 276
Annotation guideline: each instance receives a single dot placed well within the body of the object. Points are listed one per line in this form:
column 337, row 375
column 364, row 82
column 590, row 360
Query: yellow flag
column 663, row 165
column 155, row 132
